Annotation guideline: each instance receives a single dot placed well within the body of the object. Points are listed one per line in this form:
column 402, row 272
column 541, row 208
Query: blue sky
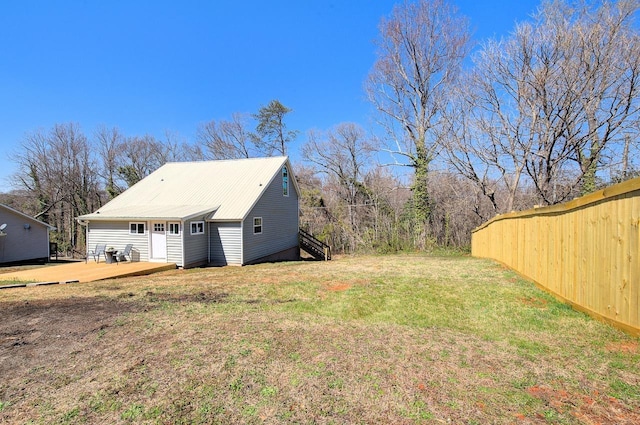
column 152, row 66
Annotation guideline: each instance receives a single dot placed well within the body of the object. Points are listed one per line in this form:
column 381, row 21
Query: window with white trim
column 174, row 228
column 158, row 227
column 136, row 228
column 197, row 227
column 257, row 225
column 285, row 181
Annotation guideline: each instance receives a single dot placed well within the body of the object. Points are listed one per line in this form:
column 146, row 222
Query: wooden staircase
column 316, row 248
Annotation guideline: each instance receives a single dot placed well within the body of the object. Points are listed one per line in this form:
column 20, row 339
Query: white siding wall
column 226, row 243
column 174, row 246
column 195, row 246
column 279, row 222
column 21, row 244
column 116, row 234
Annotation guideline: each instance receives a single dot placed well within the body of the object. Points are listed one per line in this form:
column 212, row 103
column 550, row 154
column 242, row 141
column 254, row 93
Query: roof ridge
column 256, row 158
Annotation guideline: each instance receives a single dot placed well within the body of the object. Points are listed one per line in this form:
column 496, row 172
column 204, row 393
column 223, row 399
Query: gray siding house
column 232, row 212
column 22, row 238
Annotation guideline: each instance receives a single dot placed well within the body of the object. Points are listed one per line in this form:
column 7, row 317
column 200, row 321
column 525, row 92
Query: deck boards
column 86, row 272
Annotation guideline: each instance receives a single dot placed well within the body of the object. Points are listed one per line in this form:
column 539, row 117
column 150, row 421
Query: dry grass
column 393, row 339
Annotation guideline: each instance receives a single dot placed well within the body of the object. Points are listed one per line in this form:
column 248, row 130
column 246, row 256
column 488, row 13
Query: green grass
column 9, row 282
column 399, row 339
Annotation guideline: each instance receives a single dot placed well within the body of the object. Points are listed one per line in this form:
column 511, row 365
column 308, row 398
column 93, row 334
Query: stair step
column 316, row 248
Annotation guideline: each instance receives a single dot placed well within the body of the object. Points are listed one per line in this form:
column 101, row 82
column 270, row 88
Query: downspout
column 85, row 224
column 208, row 242
column 242, row 242
column 182, row 223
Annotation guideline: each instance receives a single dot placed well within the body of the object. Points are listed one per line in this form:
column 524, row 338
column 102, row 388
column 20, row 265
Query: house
column 230, row 212
column 22, row 238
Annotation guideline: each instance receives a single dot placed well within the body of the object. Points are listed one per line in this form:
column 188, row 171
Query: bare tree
column 176, row 148
column 585, row 69
column 35, row 174
column 458, row 209
column 420, row 51
column 58, row 170
column 389, row 196
column 549, row 103
column 608, row 72
column 109, row 143
column 490, row 124
column 344, row 154
column 314, row 215
column 226, row 139
column 627, row 165
column 140, row 157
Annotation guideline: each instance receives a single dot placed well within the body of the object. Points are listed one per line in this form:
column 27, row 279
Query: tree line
column 543, row 115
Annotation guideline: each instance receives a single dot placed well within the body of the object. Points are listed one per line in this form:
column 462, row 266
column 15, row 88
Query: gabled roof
column 27, row 217
column 213, row 190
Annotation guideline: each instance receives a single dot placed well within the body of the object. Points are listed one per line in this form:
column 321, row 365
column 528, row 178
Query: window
column 285, row 181
column 136, row 228
column 174, row 228
column 158, row 227
column 197, row 227
column 257, row 225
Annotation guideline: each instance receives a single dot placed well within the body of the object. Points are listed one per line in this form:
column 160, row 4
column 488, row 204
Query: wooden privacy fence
column 586, row 251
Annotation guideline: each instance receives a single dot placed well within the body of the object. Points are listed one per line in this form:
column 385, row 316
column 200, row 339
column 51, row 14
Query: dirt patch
column 36, row 333
column 594, row 408
column 200, row 297
column 623, row 347
column 534, row 302
column 338, row 287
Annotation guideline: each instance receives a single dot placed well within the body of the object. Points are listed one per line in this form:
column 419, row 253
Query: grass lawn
column 376, row 339
column 10, row 282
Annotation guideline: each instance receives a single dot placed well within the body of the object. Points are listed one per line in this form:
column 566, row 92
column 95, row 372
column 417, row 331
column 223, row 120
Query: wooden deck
column 91, row 271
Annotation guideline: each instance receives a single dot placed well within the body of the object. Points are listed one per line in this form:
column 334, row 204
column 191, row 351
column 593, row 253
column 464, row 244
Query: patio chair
column 96, row 253
column 126, row 252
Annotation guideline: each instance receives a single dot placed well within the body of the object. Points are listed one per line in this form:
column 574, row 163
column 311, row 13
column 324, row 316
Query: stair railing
column 313, row 246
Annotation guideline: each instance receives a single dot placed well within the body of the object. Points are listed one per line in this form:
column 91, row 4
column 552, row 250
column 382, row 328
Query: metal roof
column 27, row 217
column 217, row 190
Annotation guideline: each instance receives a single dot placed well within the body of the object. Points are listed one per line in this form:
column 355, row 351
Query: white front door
column 158, row 241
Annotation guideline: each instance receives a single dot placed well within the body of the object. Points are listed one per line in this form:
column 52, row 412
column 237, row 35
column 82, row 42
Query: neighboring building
column 22, row 238
column 211, row 212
